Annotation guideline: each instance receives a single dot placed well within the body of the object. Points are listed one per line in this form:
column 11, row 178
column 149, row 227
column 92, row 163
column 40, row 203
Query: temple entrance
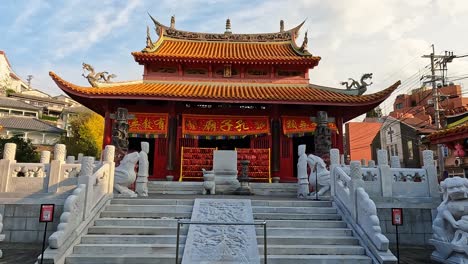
column 310, row 148
column 134, row 144
column 225, row 144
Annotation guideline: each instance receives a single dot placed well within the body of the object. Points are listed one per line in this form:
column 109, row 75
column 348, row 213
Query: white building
column 8, row 78
column 39, row 132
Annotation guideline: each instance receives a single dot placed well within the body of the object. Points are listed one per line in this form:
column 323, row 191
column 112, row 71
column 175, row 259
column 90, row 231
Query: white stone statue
column 143, row 170
column 450, row 227
column 318, row 169
column 125, row 175
column 209, row 184
column 302, row 182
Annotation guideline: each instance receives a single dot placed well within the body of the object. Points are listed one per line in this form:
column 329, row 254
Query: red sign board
column 47, row 213
column 397, row 216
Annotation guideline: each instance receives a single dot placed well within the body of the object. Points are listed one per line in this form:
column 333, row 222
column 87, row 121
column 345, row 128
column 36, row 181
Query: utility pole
column 435, row 101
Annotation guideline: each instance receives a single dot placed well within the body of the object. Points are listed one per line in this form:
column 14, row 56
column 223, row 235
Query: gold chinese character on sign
column 260, row 125
column 227, row 70
column 191, row 125
column 303, row 124
column 210, row 125
column 160, row 123
column 241, row 125
column 226, row 125
column 134, row 124
column 147, row 124
column 291, row 124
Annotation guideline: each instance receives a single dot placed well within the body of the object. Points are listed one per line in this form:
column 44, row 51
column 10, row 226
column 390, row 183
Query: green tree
column 25, row 151
column 87, row 130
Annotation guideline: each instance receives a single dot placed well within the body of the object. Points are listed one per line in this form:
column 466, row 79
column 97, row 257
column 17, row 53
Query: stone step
column 284, row 216
column 136, row 230
column 171, row 249
column 131, row 239
column 294, row 210
column 149, row 208
column 173, row 223
column 170, row 258
column 171, row 239
column 121, row 259
column 312, row 250
column 127, row 249
column 288, row 231
column 154, row 215
column 258, row 202
column 149, row 201
column 322, row 259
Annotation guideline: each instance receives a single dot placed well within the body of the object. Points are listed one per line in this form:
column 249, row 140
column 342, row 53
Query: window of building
column 410, row 149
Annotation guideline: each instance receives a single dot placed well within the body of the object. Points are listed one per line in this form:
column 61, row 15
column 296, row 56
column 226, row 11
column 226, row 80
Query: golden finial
column 281, row 25
column 228, row 26
column 173, row 21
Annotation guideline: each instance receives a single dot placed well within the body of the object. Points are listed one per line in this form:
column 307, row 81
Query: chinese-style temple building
column 201, row 91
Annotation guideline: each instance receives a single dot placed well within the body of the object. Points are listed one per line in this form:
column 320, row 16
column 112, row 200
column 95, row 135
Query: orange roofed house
column 202, row 91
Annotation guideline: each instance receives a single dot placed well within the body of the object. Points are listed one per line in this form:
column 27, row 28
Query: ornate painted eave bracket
column 281, row 36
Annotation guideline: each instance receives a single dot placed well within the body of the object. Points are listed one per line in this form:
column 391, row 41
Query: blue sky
column 385, row 37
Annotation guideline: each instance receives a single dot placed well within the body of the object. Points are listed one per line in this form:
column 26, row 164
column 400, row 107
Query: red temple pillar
column 339, row 141
column 107, row 138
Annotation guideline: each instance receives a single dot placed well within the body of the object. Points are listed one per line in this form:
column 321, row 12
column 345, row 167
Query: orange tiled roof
column 219, row 51
column 461, row 129
column 222, row 92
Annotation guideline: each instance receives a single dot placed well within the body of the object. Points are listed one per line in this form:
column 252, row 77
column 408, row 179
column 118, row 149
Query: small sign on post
column 397, row 220
column 45, row 216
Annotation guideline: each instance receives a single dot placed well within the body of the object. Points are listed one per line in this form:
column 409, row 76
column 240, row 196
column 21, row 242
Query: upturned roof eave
column 378, row 97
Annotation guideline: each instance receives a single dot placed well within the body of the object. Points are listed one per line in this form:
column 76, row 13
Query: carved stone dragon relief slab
column 221, row 244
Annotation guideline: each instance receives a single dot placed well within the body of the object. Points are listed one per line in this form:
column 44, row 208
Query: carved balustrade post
column 395, row 162
column 363, row 162
column 342, row 160
column 108, row 157
column 80, row 157
column 371, row 164
column 334, row 162
column 386, row 177
column 86, row 177
column 60, row 152
column 431, row 173
column 356, row 182
column 45, row 157
column 70, row 160
column 9, row 152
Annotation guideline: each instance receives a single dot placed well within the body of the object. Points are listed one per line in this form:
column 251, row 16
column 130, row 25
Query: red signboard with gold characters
column 301, row 125
column 222, row 125
column 144, row 123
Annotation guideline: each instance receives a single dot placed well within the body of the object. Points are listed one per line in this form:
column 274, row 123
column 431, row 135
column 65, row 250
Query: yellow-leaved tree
column 87, row 135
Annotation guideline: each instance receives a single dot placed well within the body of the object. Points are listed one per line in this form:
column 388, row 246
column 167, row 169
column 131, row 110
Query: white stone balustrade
column 357, row 207
column 382, row 180
column 95, row 188
column 56, row 176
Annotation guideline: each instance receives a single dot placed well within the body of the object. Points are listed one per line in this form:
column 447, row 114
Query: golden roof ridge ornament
column 149, row 42
column 173, row 21
column 304, row 43
column 167, row 31
column 96, row 78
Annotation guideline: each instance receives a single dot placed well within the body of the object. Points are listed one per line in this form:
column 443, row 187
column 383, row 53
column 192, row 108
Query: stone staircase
column 144, row 231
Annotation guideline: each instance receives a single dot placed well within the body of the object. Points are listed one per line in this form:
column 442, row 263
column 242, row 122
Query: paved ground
column 20, row 253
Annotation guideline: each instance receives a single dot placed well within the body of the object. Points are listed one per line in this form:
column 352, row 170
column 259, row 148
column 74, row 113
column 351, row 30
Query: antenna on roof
column 29, row 79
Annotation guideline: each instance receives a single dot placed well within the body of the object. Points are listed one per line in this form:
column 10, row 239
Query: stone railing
column 56, row 176
column 357, row 208
column 382, row 180
column 94, row 190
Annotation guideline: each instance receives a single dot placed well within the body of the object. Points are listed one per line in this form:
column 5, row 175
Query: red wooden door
column 286, row 159
column 160, row 158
